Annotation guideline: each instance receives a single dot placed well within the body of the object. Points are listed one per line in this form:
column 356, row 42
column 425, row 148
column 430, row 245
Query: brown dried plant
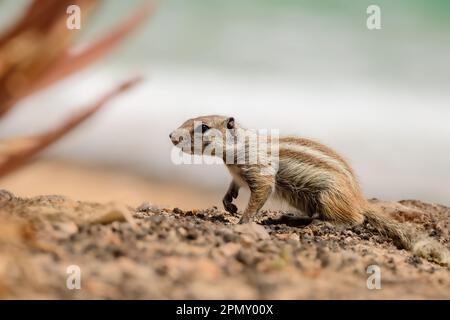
column 38, row 51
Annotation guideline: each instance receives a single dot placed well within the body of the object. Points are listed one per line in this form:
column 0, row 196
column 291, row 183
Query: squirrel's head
column 196, row 134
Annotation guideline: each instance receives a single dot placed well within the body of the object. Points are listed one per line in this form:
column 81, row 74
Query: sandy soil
column 154, row 252
column 103, row 184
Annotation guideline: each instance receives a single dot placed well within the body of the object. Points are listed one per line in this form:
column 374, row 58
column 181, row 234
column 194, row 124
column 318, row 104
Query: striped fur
column 311, row 178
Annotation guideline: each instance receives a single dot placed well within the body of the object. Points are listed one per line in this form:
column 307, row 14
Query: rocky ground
column 164, row 253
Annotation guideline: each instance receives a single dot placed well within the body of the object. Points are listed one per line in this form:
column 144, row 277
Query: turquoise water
column 302, row 39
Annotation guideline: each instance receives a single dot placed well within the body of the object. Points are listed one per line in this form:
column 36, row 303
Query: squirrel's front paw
column 244, row 220
column 229, row 206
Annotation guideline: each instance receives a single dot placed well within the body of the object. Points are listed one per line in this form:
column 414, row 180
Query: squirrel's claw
column 229, row 207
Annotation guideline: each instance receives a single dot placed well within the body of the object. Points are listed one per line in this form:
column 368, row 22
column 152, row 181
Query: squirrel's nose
column 170, row 135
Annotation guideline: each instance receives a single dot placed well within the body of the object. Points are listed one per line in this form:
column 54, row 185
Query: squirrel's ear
column 230, row 123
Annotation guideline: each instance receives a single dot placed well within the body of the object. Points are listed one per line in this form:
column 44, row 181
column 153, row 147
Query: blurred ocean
column 381, row 98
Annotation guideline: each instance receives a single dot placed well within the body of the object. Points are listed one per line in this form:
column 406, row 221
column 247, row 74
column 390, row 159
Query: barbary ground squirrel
column 306, row 174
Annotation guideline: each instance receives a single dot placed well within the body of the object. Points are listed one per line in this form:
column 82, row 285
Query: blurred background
column 312, row 68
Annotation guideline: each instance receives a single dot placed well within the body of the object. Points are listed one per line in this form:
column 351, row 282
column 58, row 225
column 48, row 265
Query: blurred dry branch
column 37, row 52
column 75, row 60
column 32, row 46
column 18, row 151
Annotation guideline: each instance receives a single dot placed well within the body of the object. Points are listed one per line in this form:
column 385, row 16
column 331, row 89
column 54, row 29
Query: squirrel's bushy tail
column 404, row 238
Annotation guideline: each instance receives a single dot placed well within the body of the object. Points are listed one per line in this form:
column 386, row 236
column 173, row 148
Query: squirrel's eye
column 204, row 128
